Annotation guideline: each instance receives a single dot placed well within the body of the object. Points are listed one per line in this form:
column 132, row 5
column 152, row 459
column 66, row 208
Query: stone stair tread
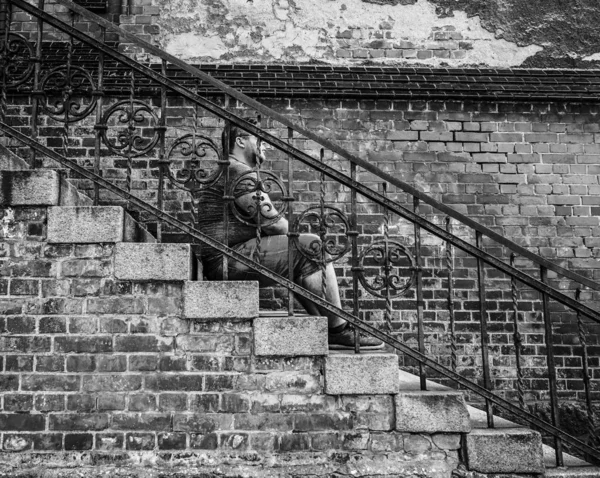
column 573, row 472
column 10, row 161
column 568, row 460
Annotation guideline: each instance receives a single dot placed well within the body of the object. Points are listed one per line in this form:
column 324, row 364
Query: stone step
column 432, row 412
column 144, row 262
column 11, row 161
column 29, row 188
column 290, row 336
column 573, row 472
column 93, row 225
column 209, row 301
column 361, row 374
column 41, row 187
column 504, row 450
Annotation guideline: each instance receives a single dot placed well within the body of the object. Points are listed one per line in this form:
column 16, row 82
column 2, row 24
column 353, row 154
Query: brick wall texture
column 528, row 171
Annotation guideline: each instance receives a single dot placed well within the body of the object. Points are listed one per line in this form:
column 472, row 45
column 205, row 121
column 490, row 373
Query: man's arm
column 247, row 203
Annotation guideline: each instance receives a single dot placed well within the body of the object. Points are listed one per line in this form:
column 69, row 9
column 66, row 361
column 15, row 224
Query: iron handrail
column 264, row 110
column 287, row 148
column 364, row 326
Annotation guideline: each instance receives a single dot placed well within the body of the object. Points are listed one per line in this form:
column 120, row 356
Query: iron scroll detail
column 388, row 255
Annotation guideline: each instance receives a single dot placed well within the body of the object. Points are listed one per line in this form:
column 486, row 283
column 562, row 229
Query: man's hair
column 235, row 132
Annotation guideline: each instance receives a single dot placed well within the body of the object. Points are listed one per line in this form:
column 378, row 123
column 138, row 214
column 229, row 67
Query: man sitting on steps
column 246, row 152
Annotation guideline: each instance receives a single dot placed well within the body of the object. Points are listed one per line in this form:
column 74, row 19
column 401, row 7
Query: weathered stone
column 364, row 374
column 431, row 412
column 169, row 262
column 290, row 336
column 220, row 300
column 508, row 450
column 82, row 225
column 29, row 188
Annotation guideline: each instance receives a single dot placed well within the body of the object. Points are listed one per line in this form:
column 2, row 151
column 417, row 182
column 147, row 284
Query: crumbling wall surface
column 339, row 32
column 567, row 31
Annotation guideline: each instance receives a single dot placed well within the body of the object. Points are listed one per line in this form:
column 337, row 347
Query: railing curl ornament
column 330, row 223
column 123, row 126
column 68, row 94
column 198, row 154
column 16, row 60
column 389, row 255
column 258, row 184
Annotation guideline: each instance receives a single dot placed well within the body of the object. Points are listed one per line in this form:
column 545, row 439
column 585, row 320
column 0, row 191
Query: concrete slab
column 230, row 300
column 85, row 224
column 290, row 336
column 29, row 188
column 508, row 450
column 431, row 412
column 361, row 374
column 141, row 262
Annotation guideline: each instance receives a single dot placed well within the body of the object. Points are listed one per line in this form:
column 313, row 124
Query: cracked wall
column 404, row 32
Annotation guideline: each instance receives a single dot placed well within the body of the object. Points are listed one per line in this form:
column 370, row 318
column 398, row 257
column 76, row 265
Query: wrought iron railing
column 414, row 272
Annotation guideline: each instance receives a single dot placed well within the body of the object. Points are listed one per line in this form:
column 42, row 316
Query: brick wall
column 528, row 171
column 89, row 363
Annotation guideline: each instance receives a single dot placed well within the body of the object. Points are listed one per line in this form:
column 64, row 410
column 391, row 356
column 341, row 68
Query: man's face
column 254, row 149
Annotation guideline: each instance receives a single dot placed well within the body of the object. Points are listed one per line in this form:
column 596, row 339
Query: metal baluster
column 5, row 60
column 485, row 338
column 517, row 339
column 162, row 160
column 450, row 269
column 259, row 200
column 67, row 90
column 228, row 199
column 36, row 94
column 591, row 423
column 387, row 264
column 420, row 304
column 290, row 217
column 355, row 267
column 322, row 227
column 98, row 133
column 551, row 368
column 131, row 129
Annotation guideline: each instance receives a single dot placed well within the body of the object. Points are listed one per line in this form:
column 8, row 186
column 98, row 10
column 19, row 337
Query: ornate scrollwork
column 123, row 126
column 68, row 93
column 201, row 161
column 16, row 59
column 259, row 183
column 324, row 220
column 388, row 255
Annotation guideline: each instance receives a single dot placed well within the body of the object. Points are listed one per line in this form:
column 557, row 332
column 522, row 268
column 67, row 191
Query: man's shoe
column 344, row 340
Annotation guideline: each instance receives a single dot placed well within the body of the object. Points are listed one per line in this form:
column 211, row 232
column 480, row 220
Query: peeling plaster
column 306, row 30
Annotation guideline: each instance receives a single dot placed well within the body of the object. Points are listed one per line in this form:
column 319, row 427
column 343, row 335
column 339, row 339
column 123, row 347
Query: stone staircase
column 116, row 358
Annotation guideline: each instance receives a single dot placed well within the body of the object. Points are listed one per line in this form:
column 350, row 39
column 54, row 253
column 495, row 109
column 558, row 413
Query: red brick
column 22, row 422
column 140, row 441
column 19, row 363
column 145, row 421
column 79, row 441
column 78, row 421
column 111, row 383
column 18, row 403
column 142, row 402
column 143, row 363
column 82, row 344
column 39, row 382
